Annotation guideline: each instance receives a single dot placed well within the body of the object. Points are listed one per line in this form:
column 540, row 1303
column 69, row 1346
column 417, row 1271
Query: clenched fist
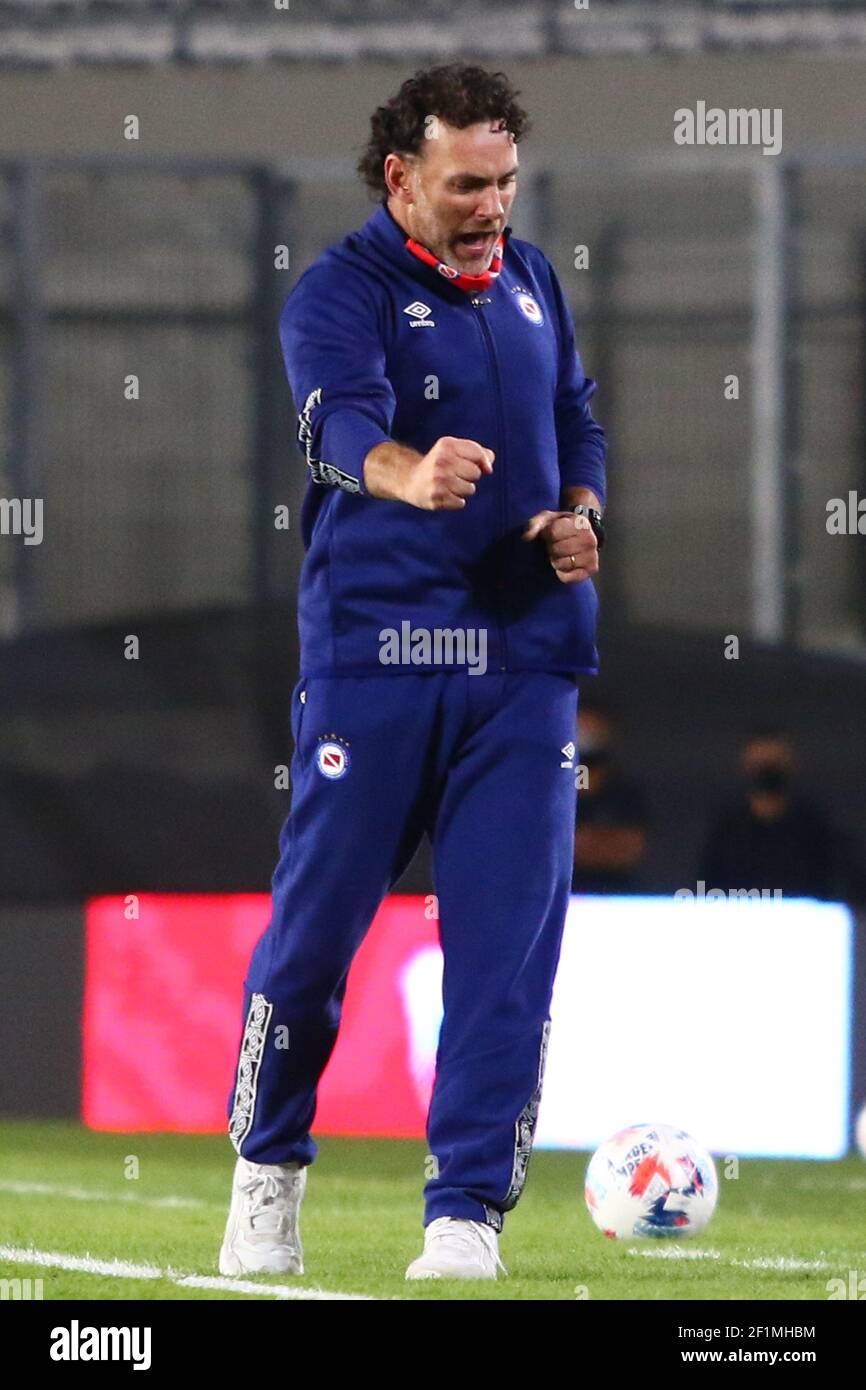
column 440, row 480
column 571, row 545
column 446, row 476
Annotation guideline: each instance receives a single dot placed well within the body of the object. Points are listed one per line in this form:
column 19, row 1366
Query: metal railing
column 45, row 33
column 702, row 266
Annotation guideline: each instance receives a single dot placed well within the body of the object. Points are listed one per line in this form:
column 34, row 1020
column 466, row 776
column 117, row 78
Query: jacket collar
column 384, row 233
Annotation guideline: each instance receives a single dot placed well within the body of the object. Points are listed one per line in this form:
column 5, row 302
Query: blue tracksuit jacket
column 379, row 346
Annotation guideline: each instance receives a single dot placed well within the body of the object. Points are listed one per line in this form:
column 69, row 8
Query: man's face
column 456, row 195
column 767, row 752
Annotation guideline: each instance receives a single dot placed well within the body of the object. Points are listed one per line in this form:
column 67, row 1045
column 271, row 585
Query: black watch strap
column 595, row 520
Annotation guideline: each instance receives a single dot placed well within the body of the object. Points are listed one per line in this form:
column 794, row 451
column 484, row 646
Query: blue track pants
column 485, row 764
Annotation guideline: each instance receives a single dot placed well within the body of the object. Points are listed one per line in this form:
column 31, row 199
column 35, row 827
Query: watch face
column 595, row 521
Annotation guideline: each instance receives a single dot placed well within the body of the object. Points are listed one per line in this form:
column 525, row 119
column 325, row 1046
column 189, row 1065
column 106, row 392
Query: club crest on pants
column 333, row 759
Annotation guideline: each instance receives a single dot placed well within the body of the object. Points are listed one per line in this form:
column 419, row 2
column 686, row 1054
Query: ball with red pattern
column 651, row 1181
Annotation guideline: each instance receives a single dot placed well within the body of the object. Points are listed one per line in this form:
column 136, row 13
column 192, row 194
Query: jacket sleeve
column 335, row 362
column 580, row 439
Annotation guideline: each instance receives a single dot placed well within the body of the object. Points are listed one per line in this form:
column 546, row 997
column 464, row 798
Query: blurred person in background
column 610, row 841
column 773, row 837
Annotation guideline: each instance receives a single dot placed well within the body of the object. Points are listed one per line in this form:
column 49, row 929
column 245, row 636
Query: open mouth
column 475, row 243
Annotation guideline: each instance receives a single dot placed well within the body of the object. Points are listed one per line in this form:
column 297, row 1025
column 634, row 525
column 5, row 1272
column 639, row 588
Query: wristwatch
column 595, row 521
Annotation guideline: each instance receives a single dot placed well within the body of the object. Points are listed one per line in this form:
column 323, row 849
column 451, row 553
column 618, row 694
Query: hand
column 446, row 476
column 571, row 545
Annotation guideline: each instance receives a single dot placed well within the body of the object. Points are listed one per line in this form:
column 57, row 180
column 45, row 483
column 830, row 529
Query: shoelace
column 263, row 1190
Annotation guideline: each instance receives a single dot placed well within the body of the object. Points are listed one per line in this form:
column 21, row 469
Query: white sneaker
column 455, row 1248
column 262, row 1235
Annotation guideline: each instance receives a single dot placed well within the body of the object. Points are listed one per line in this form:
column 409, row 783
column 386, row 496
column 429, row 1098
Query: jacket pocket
column 296, row 719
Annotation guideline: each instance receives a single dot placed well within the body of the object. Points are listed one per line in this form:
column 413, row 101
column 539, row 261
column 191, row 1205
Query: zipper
column 478, row 302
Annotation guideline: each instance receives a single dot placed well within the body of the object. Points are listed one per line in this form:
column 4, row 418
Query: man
column 610, row 841
column 772, row 837
column 446, row 608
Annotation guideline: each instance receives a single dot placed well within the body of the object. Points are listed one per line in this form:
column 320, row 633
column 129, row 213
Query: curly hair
column 458, row 93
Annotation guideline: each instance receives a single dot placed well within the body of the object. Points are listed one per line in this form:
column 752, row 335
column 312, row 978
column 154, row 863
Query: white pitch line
column 279, row 1291
column 82, row 1194
column 849, row 1185
column 787, row 1264
column 674, row 1252
column 119, row 1269
column 50, row 1259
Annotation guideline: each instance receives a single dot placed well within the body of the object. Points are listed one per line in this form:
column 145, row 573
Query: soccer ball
column 651, row 1180
column 860, row 1131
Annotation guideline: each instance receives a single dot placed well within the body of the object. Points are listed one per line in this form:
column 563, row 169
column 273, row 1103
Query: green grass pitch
column 781, row 1229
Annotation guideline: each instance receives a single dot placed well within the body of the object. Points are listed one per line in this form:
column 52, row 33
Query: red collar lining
column 469, row 283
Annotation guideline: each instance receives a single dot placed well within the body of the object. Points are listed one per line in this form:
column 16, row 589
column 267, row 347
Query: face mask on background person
column 769, row 777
